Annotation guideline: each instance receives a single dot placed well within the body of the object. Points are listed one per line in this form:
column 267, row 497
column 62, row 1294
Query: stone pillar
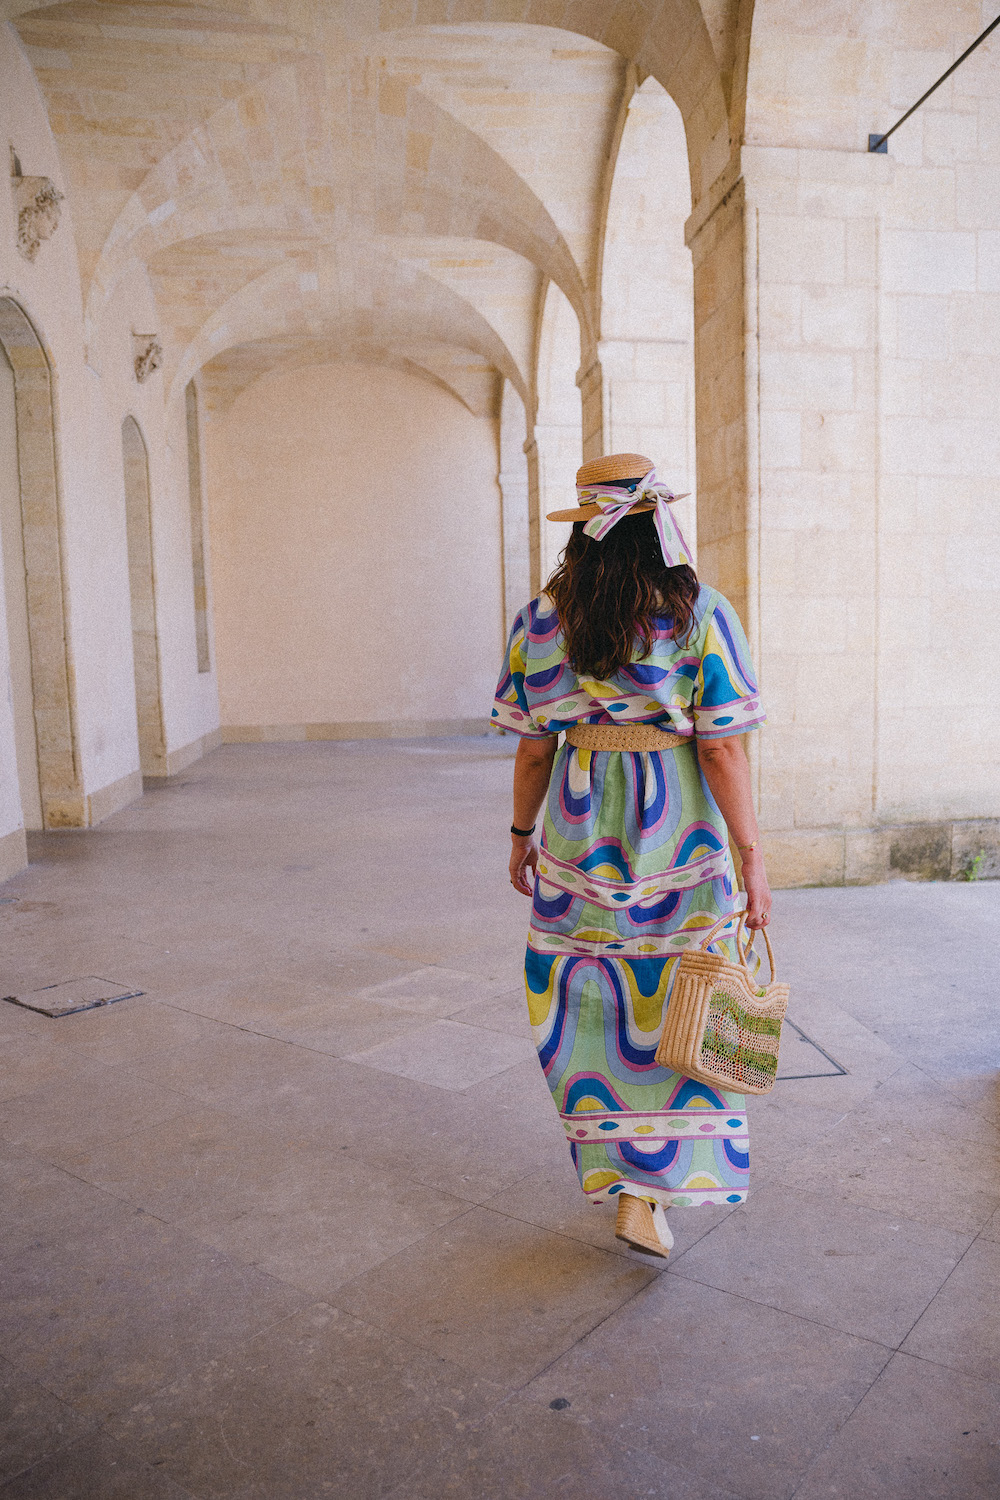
column 811, row 517
column 558, row 448
column 590, row 380
column 534, row 514
column 715, row 233
column 786, row 277
column 648, row 407
column 514, row 491
column 558, row 428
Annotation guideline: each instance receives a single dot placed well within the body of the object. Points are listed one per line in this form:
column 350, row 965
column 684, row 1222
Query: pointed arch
column 142, row 596
column 60, row 783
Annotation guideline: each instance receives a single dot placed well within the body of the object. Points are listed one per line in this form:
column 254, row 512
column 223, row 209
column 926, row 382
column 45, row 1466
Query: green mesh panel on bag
column 738, row 1044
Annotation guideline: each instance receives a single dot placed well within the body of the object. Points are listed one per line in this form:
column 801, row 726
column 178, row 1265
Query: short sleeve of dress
column 726, row 700
column 510, row 706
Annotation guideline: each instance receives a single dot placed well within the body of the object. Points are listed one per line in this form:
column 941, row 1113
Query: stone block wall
column 661, row 231
column 874, row 448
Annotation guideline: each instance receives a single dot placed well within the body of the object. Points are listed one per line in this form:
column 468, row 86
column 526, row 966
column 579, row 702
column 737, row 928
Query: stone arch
column 409, row 309
column 59, row 779
column 671, row 42
column 467, row 191
column 142, row 595
column 646, row 348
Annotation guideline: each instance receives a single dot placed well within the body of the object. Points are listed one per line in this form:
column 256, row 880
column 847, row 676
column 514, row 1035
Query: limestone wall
column 503, row 246
column 356, row 531
column 75, row 394
column 873, row 302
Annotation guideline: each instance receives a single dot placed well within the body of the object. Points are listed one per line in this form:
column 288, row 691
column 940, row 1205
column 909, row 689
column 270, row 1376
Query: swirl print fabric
column 634, row 867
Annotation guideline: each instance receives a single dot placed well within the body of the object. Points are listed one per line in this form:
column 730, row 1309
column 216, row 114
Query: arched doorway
column 16, row 604
column 47, row 761
column 142, row 593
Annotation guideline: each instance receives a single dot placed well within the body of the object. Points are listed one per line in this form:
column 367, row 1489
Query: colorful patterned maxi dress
column 634, row 867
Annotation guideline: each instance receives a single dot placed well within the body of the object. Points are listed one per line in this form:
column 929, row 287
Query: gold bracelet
column 747, row 848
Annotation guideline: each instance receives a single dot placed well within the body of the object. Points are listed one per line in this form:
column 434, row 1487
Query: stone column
column 558, row 448
column 590, row 380
column 806, row 529
column 648, row 407
column 534, row 513
column 715, row 233
column 514, row 491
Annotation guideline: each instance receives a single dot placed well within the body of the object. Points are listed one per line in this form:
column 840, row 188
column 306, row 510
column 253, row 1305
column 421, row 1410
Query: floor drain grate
column 835, row 1070
column 71, row 995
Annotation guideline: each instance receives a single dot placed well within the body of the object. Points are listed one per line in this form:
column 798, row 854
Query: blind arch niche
column 60, row 801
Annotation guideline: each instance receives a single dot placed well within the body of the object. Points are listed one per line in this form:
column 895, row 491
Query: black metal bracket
column 880, row 143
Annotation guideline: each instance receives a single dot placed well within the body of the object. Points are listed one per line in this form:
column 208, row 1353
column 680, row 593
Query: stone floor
column 300, row 1221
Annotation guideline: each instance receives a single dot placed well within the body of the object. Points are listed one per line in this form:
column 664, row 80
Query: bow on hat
column 612, row 504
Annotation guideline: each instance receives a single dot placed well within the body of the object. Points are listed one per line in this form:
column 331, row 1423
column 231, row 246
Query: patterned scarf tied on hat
column 616, row 503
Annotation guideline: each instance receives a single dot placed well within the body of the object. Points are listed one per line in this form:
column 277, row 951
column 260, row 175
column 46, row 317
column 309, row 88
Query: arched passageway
column 51, row 792
column 496, row 208
column 356, row 538
column 647, row 298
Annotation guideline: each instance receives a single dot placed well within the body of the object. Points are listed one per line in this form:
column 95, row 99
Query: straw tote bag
column 722, row 1028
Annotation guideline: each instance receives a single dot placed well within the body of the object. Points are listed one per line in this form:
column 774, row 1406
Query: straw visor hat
column 614, row 468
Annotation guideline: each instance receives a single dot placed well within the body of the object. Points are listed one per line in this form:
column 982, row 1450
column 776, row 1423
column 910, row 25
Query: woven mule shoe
column 642, row 1226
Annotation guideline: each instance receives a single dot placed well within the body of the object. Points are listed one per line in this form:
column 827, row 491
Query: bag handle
column 742, row 933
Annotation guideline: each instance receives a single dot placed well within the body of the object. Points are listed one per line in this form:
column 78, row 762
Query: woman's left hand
column 757, row 889
column 523, row 857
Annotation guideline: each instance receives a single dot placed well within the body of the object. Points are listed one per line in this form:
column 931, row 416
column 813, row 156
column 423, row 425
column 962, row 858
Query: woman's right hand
column 758, row 891
column 523, row 857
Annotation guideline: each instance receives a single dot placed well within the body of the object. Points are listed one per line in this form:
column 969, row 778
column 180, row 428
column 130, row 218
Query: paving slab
column 321, row 1404
column 94, row 1468
column 63, row 1117
column 908, row 1149
column 495, row 1295
column 29, row 1063
column 473, row 1284
column 856, row 1269
column 340, row 1026
column 33, row 1423
column 743, row 1395
column 134, row 1030
column 522, row 1452
column 101, row 1316
column 921, row 1431
column 508, row 1013
column 430, row 991
column 961, row 1327
column 448, row 1055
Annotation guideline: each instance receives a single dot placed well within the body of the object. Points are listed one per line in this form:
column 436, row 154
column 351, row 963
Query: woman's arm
column 532, row 768
column 724, row 766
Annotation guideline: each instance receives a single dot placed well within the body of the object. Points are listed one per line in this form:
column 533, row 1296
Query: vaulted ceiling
column 393, row 181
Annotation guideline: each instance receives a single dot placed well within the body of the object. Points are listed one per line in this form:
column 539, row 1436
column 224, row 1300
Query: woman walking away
column 649, row 675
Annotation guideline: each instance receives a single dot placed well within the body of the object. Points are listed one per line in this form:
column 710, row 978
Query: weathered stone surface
column 516, row 238
column 262, row 1269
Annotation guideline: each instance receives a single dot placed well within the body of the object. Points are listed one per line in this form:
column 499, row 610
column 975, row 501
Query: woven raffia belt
column 623, row 737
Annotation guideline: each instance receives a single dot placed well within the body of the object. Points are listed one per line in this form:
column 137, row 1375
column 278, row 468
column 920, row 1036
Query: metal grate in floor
column 72, row 995
column 793, row 1056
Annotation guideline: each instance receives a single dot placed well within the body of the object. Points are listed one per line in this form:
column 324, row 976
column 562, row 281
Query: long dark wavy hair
column 612, row 594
